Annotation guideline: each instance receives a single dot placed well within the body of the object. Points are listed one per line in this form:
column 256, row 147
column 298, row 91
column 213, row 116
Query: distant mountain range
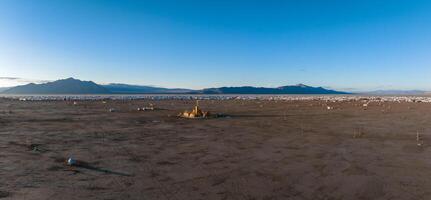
column 65, row 86
column 137, row 89
column 74, row 86
column 397, row 92
column 294, row 89
column 2, row 89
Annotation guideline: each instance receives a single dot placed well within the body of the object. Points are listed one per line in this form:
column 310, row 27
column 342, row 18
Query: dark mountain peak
column 72, row 80
column 69, row 79
column 295, row 86
column 63, row 86
column 301, row 85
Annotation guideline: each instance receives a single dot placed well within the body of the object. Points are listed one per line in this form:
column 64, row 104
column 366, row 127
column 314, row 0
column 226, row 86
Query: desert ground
column 261, row 150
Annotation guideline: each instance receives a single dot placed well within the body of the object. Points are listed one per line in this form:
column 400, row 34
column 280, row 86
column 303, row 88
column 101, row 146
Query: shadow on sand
column 98, row 169
column 85, row 165
column 258, row 116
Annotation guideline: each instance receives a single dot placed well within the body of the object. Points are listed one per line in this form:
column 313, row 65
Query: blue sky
column 349, row 45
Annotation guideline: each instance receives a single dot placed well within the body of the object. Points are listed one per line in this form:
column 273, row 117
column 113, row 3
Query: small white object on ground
column 71, row 161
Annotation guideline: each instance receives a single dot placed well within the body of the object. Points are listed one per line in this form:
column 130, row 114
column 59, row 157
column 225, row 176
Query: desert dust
column 259, row 149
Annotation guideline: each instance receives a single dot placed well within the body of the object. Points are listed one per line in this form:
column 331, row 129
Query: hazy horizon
column 342, row 45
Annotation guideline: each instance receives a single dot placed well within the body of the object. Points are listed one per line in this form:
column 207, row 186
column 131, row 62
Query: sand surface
column 264, row 150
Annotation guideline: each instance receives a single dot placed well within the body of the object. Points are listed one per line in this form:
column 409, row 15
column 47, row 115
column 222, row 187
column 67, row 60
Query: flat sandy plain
column 264, row 150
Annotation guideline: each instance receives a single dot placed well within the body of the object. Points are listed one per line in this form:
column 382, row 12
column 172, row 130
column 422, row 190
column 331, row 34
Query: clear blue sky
column 342, row 44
